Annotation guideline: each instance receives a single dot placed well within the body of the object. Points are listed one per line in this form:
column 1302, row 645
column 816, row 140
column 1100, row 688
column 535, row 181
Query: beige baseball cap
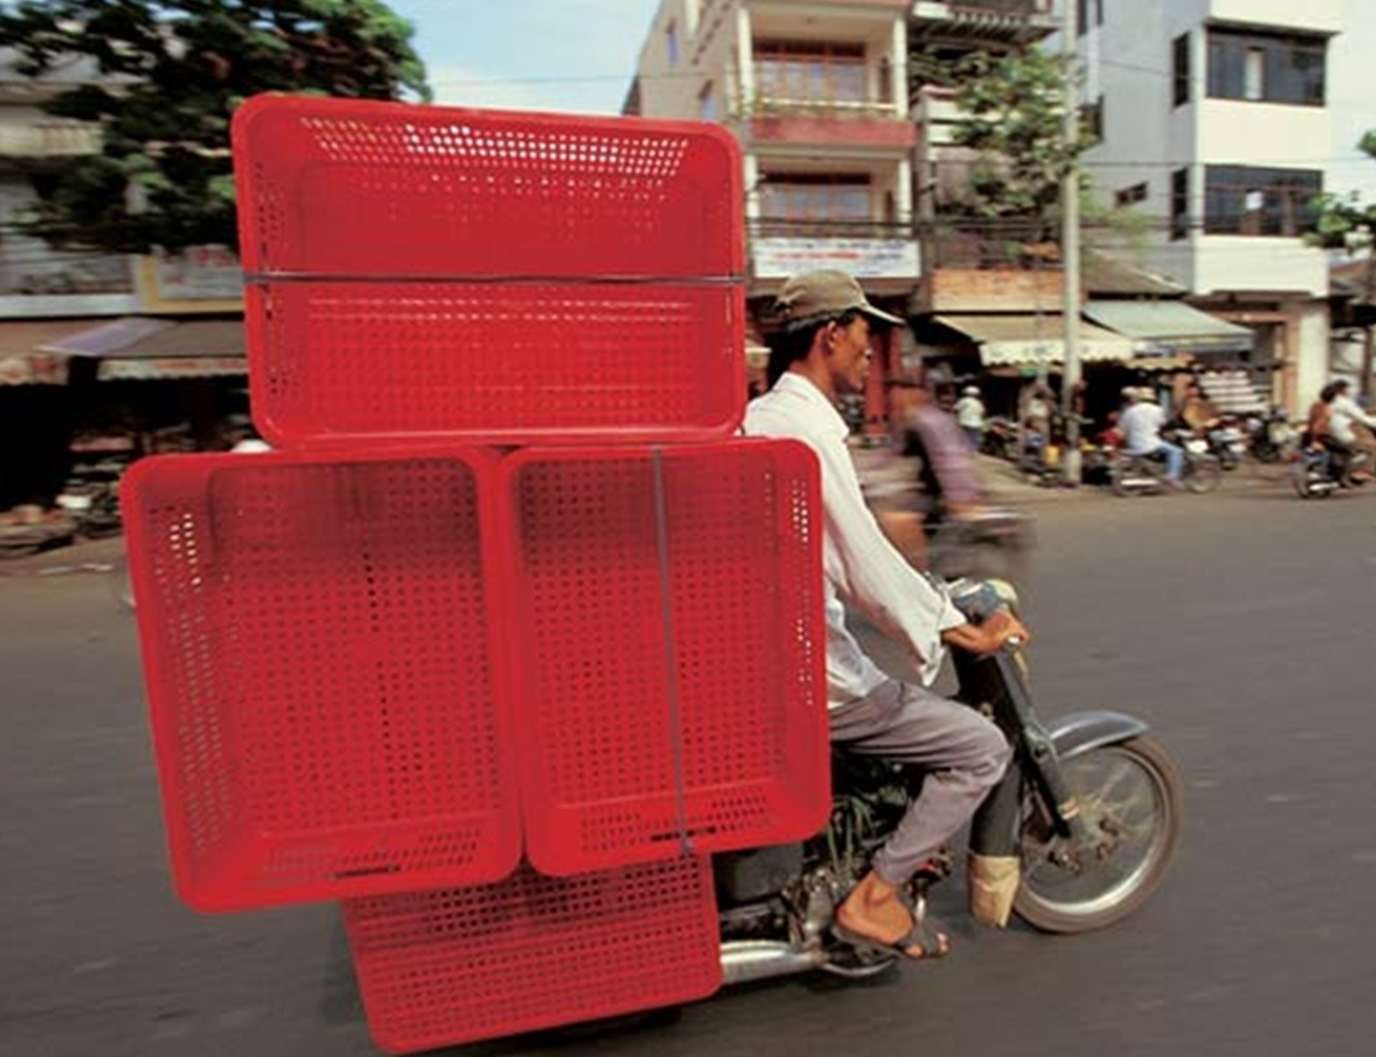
column 826, row 294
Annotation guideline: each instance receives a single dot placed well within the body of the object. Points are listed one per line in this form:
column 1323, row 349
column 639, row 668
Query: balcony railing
column 1004, row 245
column 48, row 140
column 829, row 85
column 1005, row 7
column 1004, row 20
column 37, row 273
column 789, row 227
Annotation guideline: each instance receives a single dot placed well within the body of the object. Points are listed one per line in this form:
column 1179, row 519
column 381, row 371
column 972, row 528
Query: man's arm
column 1354, row 410
column 951, row 460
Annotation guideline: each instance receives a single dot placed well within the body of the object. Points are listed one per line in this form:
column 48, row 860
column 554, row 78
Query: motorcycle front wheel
column 1202, row 475
column 1130, row 797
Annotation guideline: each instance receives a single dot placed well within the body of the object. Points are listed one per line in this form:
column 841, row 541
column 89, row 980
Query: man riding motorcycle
column 821, row 353
column 1141, row 424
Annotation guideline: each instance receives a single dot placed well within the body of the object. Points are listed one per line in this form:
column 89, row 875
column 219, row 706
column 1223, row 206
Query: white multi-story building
column 1226, row 118
column 35, row 280
column 818, row 94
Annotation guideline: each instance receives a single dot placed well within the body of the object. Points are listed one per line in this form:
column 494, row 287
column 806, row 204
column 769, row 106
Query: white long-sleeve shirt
column 862, row 568
column 1141, row 425
column 1343, row 411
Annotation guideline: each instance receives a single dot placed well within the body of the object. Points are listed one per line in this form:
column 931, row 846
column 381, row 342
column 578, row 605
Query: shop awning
column 22, row 362
column 1170, row 326
column 1019, row 340
column 140, row 348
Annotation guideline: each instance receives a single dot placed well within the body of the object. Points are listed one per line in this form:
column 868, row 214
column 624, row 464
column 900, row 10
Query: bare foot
column 874, row 911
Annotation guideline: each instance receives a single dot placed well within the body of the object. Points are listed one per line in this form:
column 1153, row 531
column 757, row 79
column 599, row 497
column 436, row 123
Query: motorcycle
column 1146, row 474
column 1317, row 474
column 91, row 493
column 1227, row 445
column 1079, row 833
column 1000, row 438
column 1272, row 439
column 996, row 543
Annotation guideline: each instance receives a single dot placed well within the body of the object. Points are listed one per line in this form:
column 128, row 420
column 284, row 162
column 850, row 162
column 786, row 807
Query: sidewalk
column 84, row 556
column 1005, row 484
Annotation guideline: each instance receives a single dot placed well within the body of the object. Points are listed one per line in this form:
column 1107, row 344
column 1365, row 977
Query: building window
column 1180, row 68
column 1085, row 9
column 1129, row 196
column 811, row 71
column 1266, row 68
column 671, row 43
column 1246, row 200
column 815, row 196
column 1254, row 74
column 1180, row 203
column 1092, row 120
column 707, row 102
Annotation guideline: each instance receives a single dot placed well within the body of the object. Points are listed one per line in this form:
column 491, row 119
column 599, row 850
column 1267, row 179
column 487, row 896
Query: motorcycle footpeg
column 934, row 870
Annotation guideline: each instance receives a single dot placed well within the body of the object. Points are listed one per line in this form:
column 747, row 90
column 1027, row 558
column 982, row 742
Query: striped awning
column 141, row 348
column 1010, row 339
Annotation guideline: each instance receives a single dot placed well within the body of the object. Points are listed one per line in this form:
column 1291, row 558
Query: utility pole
column 1369, row 349
column 1070, row 249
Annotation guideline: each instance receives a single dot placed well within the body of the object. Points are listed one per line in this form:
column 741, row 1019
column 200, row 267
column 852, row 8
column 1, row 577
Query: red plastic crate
column 448, row 967
column 497, row 277
column 594, row 681
column 316, row 641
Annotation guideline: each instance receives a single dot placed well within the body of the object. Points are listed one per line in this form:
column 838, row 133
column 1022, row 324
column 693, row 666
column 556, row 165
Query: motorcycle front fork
column 996, row 829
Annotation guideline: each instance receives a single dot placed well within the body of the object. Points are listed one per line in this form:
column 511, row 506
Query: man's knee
column 991, row 756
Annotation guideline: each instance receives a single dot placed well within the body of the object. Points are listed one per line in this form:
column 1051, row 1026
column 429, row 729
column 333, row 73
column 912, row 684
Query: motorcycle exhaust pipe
column 745, row 960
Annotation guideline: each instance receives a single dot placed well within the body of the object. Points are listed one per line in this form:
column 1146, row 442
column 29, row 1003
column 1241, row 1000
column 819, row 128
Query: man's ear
column 823, row 339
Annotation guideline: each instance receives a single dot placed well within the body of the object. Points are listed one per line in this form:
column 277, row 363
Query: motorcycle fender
column 1082, row 732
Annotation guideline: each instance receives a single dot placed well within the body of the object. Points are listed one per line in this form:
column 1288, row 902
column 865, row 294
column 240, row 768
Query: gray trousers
column 962, row 754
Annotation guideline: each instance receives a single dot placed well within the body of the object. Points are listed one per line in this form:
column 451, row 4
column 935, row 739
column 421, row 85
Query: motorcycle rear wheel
column 1119, row 473
column 1058, row 899
column 1303, row 486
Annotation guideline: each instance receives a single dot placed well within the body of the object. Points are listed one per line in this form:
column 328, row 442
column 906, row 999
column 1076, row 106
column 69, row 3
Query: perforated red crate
column 317, row 649
column 499, row 277
column 686, row 696
column 448, row 967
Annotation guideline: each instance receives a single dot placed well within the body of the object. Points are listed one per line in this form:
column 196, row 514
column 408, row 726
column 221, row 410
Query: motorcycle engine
column 745, row 876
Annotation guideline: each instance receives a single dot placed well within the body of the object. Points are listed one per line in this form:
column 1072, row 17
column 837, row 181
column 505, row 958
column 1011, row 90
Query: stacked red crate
column 363, row 654
column 318, row 640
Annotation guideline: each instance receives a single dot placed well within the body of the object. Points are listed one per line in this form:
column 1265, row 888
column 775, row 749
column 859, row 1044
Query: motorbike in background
column 1227, row 444
column 1000, row 438
column 1317, row 474
column 1134, row 475
column 1271, row 438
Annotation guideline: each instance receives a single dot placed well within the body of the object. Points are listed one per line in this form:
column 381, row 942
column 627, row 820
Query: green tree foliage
column 1013, row 110
column 1346, row 221
column 168, row 75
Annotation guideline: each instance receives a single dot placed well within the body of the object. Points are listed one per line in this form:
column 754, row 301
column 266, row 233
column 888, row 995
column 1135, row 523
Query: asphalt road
column 1236, row 625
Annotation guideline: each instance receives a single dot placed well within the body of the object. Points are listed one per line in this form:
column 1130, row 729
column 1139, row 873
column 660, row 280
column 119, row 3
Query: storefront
column 143, row 376
column 1006, row 353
